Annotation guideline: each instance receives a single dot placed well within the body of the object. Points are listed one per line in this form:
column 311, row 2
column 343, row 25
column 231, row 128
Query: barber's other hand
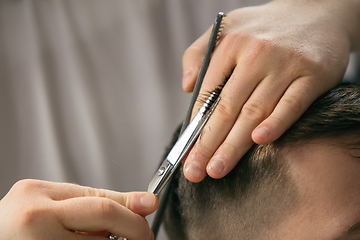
column 284, row 55
column 41, row 210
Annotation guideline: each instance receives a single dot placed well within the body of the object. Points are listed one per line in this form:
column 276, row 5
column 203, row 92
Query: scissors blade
column 183, row 146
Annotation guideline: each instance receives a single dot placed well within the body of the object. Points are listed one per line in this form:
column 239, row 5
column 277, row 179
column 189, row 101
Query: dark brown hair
column 257, row 194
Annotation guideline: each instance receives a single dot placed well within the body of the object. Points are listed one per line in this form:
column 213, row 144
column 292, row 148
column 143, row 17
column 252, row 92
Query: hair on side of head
column 256, row 195
column 246, row 203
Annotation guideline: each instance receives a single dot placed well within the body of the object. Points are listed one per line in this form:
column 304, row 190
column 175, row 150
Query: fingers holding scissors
column 278, row 68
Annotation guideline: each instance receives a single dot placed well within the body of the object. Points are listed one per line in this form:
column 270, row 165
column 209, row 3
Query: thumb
column 192, row 60
column 142, row 203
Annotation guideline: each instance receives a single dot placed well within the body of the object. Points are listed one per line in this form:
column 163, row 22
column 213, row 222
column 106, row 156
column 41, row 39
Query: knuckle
column 277, row 121
column 31, row 216
column 203, row 149
column 33, row 209
column 261, row 44
column 230, row 43
column 128, row 202
column 227, row 150
column 26, row 185
column 190, row 51
column 108, row 208
column 229, row 147
column 88, row 191
column 258, row 49
column 227, row 111
column 293, row 104
column 253, row 112
column 93, row 192
column 232, row 38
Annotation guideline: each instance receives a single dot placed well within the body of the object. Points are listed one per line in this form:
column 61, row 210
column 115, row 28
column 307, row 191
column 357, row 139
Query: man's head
column 305, row 185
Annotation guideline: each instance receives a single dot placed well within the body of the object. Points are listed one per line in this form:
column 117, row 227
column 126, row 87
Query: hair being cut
column 259, row 192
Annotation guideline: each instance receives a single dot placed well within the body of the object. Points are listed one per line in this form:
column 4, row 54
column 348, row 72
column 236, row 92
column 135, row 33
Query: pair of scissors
column 189, row 132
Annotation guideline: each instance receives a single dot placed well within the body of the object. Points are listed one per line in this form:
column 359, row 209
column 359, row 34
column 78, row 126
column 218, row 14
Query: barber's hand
column 40, row 210
column 283, row 57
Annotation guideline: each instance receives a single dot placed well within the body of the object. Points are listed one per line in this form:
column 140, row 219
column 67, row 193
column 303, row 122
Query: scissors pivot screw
column 161, row 171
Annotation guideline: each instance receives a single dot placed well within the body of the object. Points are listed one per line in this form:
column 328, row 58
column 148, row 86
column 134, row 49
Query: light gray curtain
column 90, row 91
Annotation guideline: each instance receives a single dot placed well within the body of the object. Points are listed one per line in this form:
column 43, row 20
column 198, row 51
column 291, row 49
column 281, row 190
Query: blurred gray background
column 90, row 90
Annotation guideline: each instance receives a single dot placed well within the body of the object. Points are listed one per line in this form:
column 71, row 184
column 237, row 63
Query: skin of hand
column 281, row 56
column 35, row 209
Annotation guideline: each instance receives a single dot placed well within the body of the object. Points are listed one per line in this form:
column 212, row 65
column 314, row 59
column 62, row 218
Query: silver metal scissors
column 183, row 145
column 190, row 131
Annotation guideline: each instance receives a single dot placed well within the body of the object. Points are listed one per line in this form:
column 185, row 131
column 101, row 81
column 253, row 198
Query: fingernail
column 217, row 165
column 186, row 77
column 193, row 170
column 262, row 132
column 147, row 200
